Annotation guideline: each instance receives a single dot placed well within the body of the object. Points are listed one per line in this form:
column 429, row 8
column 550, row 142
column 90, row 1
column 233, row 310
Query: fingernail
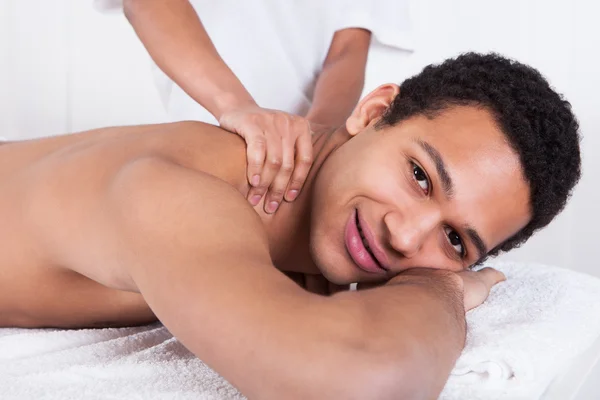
column 272, row 206
column 255, row 180
column 254, row 200
column 292, row 194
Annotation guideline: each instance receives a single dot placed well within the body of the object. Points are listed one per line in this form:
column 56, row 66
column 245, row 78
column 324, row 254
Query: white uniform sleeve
column 388, row 20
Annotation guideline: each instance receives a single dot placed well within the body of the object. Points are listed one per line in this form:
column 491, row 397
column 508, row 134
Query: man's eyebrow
column 477, row 241
column 442, row 171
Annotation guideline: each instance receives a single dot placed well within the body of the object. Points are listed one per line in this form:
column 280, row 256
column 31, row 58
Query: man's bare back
column 37, row 175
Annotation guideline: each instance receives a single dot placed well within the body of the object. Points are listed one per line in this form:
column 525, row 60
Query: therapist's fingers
column 279, row 153
column 256, row 151
column 271, row 166
column 302, row 162
column 280, row 182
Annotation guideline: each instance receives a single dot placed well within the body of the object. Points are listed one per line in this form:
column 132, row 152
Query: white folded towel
column 530, row 327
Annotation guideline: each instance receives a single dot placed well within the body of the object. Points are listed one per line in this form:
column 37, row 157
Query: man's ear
column 371, row 107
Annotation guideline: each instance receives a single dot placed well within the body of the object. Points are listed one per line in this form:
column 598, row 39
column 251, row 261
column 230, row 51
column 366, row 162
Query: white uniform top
column 277, row 47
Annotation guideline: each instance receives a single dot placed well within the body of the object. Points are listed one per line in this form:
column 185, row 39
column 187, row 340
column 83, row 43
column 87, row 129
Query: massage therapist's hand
column 279, row 152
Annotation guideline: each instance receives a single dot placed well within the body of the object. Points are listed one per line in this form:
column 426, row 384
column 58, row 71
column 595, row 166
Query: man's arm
column 342, row 78
column 198, row 254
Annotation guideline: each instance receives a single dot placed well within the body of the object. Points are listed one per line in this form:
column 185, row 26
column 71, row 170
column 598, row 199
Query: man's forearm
column 418, row 322
column 392, row 342
column 177, row 41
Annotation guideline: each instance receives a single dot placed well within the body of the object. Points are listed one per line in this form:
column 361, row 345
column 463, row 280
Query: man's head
column 466, row 159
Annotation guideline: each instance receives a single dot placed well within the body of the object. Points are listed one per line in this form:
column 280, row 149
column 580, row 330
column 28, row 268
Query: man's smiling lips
column 370, row 260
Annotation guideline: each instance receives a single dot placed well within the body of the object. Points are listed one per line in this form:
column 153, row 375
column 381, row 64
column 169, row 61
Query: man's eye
column 455, row 241
column 421, row 178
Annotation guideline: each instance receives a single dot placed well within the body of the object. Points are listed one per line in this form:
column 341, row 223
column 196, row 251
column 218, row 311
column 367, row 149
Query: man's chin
column 337, row 275
column 332, row 265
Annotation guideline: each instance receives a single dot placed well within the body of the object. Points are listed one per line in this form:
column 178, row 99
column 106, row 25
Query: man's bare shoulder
column 206, row 148
column 63, row 181
column 192, row 144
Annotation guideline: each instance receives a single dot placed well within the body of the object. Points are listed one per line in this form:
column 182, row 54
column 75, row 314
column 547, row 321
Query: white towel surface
column 529, row 329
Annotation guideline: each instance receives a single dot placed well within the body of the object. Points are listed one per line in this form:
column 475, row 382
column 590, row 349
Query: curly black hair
column 537, row 121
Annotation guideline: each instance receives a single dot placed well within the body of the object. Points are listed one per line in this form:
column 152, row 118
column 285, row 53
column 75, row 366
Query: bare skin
column 37, row 293
column 120, row 226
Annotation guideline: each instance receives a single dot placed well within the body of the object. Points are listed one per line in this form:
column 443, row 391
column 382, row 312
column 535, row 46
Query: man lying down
column 120, row 226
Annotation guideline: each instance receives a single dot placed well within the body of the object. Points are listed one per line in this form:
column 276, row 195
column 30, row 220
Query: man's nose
column 407, row 231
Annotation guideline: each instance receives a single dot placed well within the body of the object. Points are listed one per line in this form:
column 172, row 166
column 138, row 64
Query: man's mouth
column 359, row 248
column 364, row 240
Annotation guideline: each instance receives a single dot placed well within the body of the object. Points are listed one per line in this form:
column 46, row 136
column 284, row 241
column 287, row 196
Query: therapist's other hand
column 279, row 152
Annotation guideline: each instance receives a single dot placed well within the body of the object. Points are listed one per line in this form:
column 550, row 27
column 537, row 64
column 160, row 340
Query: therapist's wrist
column 230, row 102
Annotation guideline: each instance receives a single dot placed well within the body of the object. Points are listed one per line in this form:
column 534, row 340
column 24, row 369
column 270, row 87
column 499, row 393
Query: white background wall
column 65, row 67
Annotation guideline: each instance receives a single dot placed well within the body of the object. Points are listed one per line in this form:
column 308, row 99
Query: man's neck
column 289, row 228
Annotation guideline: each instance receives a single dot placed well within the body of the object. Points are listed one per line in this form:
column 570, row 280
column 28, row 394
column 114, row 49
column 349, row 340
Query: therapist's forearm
column 341, row 81
column 176, row 40
column 337, row 91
